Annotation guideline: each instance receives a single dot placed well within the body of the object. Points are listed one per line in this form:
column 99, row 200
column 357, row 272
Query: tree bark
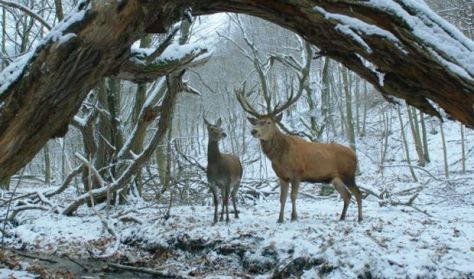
column 41, row 96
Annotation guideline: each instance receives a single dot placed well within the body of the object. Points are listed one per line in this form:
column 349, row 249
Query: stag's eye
column 269, row 122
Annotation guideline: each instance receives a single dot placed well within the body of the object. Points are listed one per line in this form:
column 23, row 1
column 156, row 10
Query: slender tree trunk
column 140, row 97
column 4, row 33
column 416, row 135
column 357, row 105
column 385, row 135
column 59, row 9
column 47, row 165
column 463, row 150
column 348, row 100
column 424, row 136
column 445, row 151
column 366, row 101
column 326, row 105
column 405, row 145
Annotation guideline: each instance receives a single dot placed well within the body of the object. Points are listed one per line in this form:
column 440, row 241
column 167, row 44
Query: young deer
column 295, row 160
column 224, row 171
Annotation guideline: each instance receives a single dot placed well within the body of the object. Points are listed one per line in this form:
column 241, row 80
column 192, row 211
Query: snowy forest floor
column 433, row 238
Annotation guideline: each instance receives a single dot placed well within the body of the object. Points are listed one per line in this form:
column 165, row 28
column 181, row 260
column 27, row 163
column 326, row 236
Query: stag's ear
column 219, row 122
column 252, row 120
column 279, row 117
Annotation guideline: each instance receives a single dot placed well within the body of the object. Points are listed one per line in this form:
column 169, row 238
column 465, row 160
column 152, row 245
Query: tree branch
column 26, row 10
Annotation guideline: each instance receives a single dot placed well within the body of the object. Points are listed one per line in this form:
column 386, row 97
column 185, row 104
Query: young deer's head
column 216, row 133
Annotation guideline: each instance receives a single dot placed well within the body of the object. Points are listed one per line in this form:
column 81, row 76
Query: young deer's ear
column 279, row 117
column 219, row 122
column 252, row 120
column 205, row 121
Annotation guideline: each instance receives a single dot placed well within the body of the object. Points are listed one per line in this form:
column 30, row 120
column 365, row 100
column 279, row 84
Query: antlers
column 280, row 107
column 244, row 103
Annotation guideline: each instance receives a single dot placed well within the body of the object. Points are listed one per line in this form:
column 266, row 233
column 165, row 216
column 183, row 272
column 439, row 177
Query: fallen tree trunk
column 399, row 46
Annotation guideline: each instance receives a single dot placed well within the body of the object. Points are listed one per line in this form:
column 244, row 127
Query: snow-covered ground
column 391, row 242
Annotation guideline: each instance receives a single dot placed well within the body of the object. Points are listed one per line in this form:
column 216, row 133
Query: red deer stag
column 295, row 160
column 224, row 171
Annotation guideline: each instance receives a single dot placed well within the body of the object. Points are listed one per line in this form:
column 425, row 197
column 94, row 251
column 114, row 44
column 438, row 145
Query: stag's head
column 216, row 133
column 264, row 125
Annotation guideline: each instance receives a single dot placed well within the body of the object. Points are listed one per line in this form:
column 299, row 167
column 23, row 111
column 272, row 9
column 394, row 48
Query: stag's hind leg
column 358, row 196
column 346, row 196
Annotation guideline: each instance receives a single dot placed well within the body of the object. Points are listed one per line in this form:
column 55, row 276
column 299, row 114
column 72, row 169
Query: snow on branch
column 443, row 41
column 139, row 68
column 353, row 27
column 167, row 107
column 58, row 34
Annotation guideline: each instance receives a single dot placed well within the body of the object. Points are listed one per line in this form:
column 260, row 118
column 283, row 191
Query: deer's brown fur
column 295, row 160
column 224, row 171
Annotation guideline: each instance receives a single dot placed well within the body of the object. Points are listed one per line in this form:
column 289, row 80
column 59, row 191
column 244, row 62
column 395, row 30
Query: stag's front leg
column 283, row 194
column 295, row 185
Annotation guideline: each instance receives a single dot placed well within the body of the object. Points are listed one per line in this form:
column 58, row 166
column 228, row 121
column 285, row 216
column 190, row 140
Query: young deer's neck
column 275, row 147
column 213, row 153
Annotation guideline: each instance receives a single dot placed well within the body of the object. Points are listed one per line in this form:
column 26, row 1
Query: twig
column 93, row 170
column 8, row 207
column 76, row 262
column 144, row 270
column 22, row 208
column 193, row 161
column 418, row 168
column 26, row 10
column 35, row 257
column 369, row 192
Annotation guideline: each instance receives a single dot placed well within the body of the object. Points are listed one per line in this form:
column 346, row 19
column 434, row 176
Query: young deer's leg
column 283, row 194
column 295, row 185
column 216, row 201
column 346, row 196
column 234, row 198
column 358, row 196
column 223, row 203
column 226, row 201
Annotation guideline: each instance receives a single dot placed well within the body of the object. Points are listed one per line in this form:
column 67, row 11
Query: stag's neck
column 213, row 152
column 276, row 146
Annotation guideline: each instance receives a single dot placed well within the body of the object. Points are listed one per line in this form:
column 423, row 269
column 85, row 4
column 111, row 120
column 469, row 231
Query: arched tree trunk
column 399, row 46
